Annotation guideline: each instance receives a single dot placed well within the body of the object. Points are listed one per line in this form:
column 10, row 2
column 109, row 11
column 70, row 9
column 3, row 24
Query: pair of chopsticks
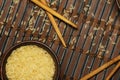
column 91, row 74
column 50, row 12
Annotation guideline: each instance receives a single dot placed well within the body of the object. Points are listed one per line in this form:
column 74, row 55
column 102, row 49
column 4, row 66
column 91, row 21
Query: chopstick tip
column 74, row 25
column 64, row 44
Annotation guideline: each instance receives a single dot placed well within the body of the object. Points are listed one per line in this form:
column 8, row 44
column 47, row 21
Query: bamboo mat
column 95, row 42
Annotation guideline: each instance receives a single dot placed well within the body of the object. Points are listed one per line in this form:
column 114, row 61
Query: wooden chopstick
column 113, row 71
column 101, row 68
column 54, row 24
column 53, row 12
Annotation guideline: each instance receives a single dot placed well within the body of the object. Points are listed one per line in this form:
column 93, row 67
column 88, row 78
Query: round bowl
column 39, row 44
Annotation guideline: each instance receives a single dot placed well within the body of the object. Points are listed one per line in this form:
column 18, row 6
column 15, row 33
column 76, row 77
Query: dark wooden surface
column 95, row 42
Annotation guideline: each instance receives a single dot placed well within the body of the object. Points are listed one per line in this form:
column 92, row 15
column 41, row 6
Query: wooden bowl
column 39, row 44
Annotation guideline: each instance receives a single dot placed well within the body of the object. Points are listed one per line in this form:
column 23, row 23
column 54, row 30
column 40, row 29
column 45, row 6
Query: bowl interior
column 39, row 44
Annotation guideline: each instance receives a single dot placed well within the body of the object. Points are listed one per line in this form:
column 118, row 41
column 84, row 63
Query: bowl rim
column 23, row 43
column 118, row 4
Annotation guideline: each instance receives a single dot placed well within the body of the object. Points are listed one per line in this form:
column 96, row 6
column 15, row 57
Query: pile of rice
column 30, row 63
